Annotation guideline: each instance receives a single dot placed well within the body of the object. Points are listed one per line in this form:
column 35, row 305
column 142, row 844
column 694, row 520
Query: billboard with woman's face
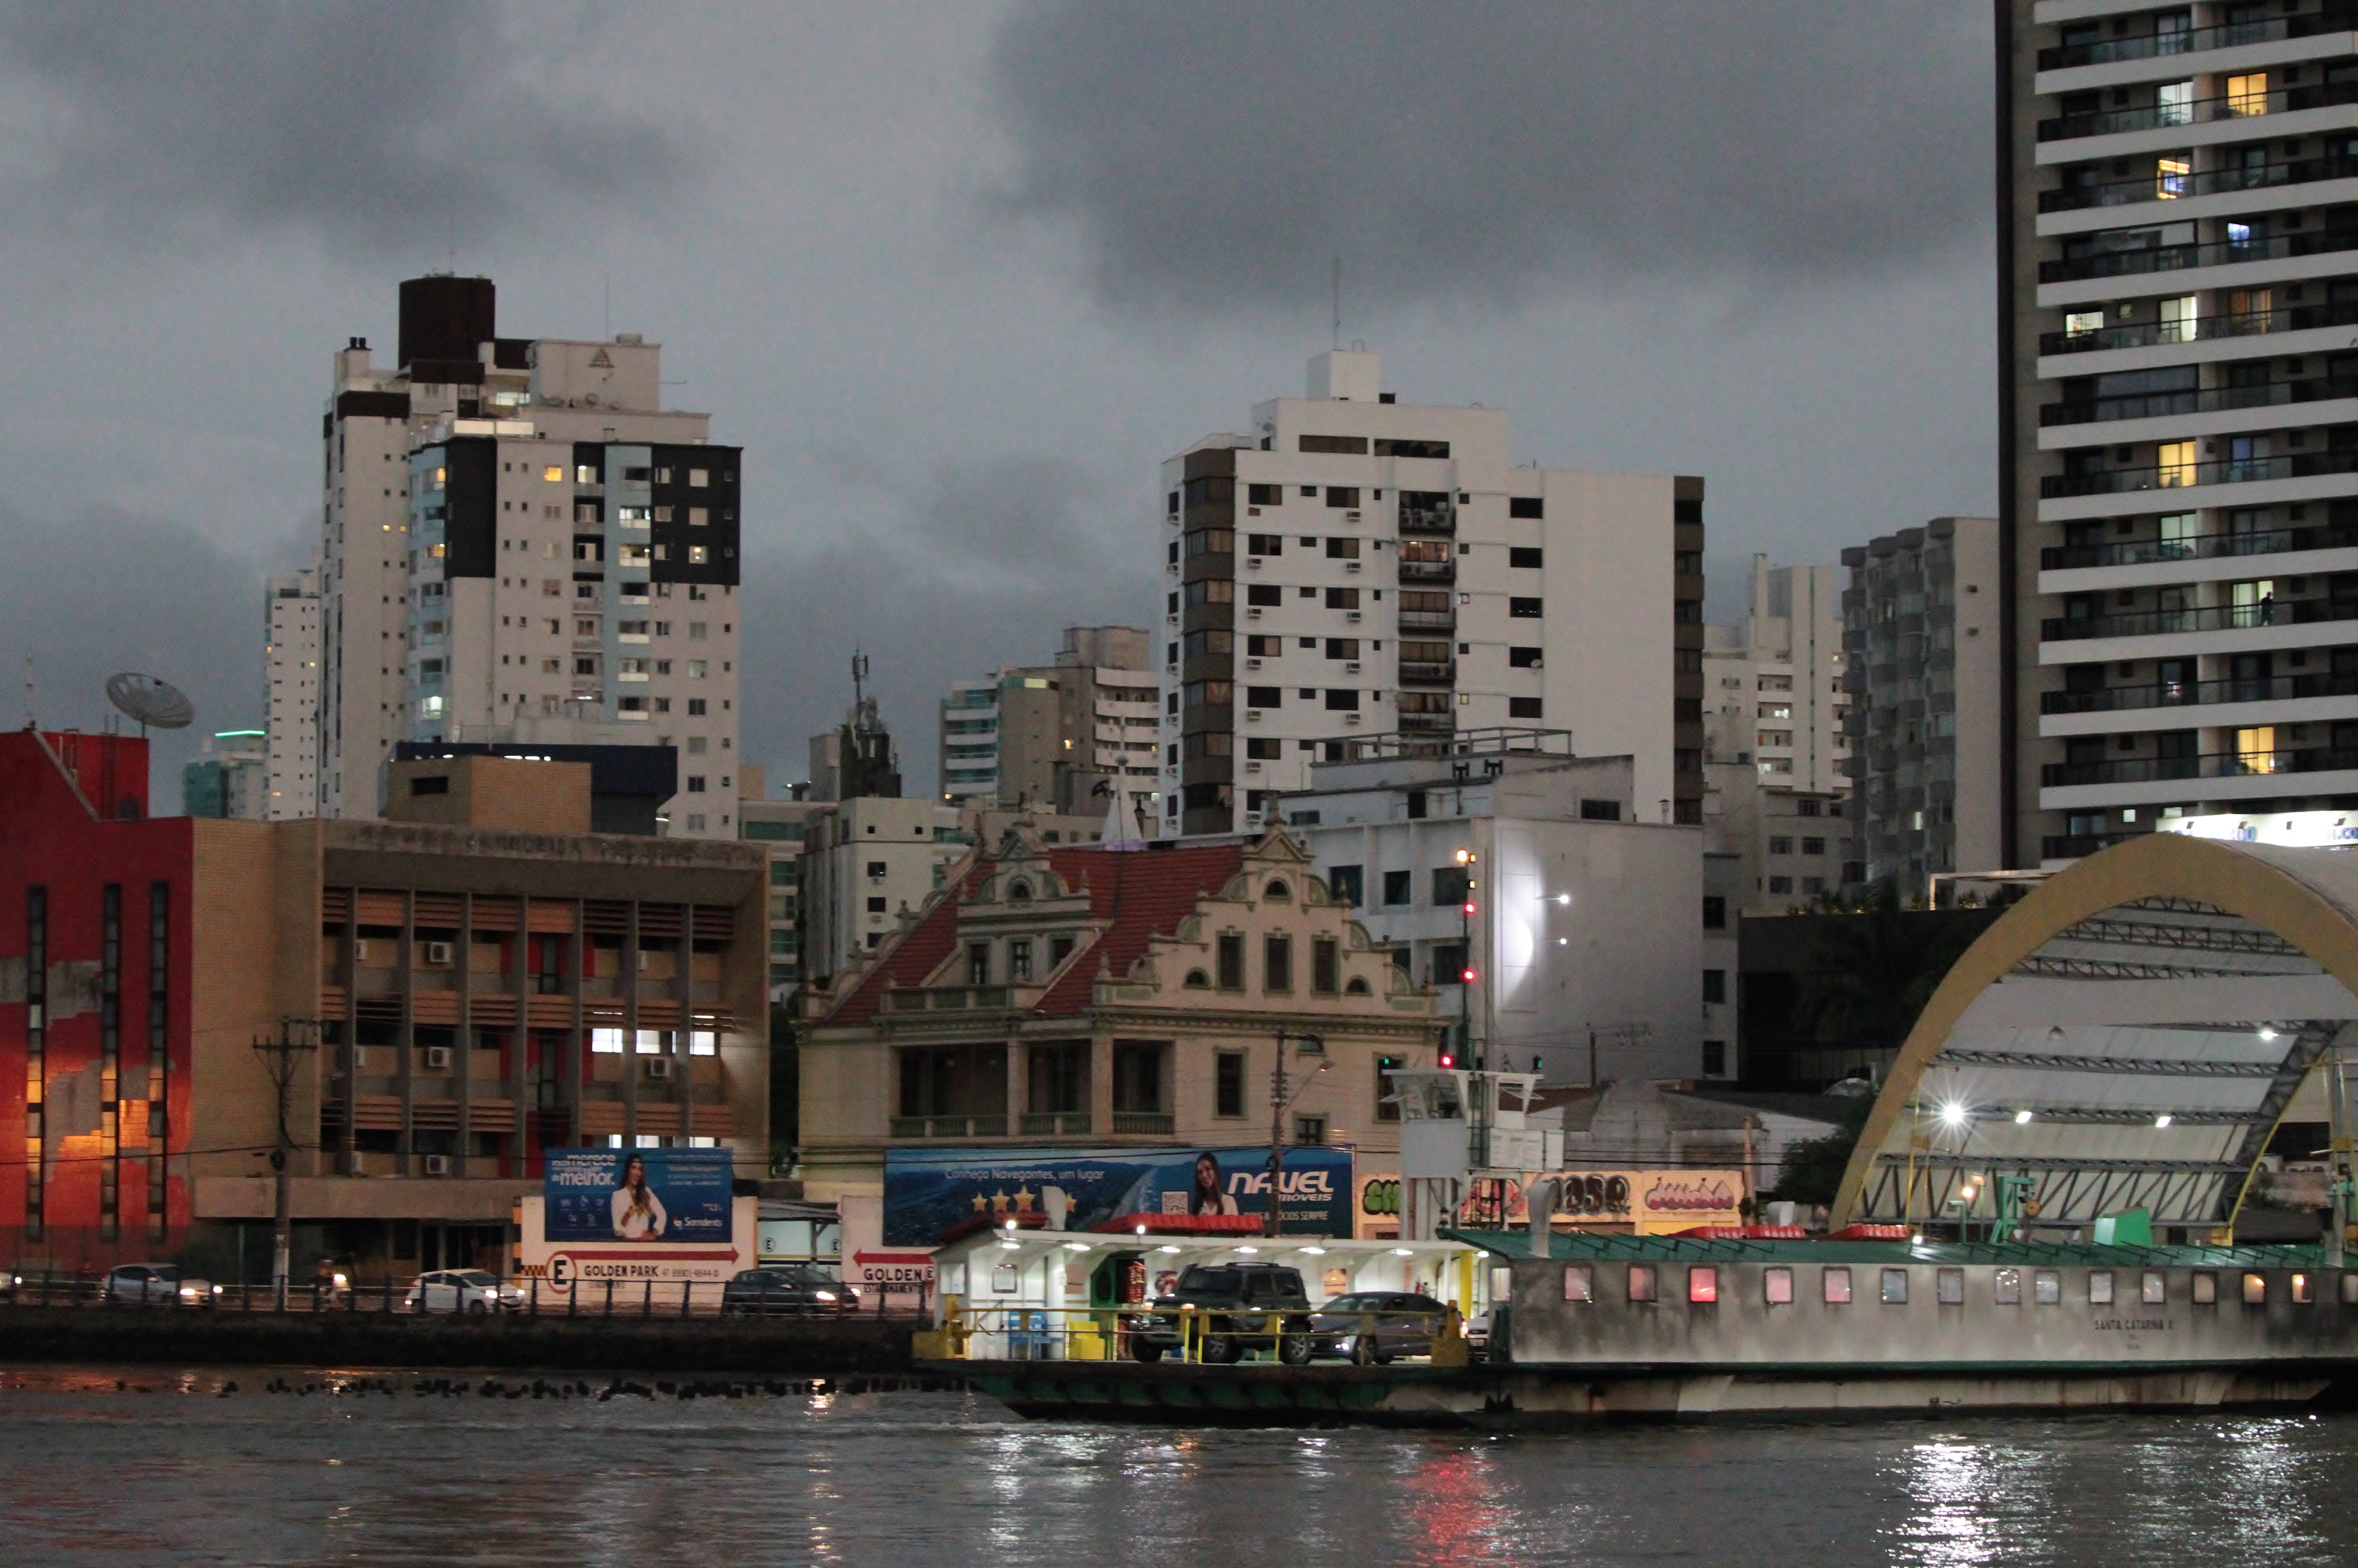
column 637, row 1194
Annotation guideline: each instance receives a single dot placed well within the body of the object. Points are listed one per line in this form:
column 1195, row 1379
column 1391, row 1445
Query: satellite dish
column 151, row 699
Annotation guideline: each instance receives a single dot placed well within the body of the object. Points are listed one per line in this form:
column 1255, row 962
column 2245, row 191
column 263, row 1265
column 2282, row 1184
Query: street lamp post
column 298, row 1037
column 1280, row 1101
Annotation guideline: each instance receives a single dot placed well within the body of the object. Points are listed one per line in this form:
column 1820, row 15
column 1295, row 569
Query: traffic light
column 1448, row 1059
column 1466, row 976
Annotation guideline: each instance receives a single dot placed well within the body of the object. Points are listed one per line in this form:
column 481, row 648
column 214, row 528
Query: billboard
column 644, row 1196
column 928, row 1191
column 1652, row 1202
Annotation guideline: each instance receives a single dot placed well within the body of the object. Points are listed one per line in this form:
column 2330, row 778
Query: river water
column 166, row 1469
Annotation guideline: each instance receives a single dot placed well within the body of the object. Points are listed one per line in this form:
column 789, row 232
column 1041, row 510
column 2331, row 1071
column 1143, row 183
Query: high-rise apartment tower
column 1353, row 567
column 2178, row 199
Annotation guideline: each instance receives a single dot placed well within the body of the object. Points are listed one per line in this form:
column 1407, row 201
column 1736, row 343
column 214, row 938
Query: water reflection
column 363, row 1470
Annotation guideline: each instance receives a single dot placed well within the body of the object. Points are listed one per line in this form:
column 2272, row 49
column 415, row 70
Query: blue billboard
column 928, row 1191
column 637, row 1194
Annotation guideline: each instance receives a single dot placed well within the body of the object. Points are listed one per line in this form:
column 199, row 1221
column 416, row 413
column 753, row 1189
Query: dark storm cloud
column 1220, row 152
column 976, row 564
column 368, row 124
column 189, row 612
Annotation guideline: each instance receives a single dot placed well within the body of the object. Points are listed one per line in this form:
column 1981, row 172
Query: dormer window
column 1277, row 892
column 1019, row 892
column 1059, row 949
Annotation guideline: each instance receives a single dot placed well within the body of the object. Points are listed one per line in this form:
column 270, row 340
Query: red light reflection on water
column 1459, row 1518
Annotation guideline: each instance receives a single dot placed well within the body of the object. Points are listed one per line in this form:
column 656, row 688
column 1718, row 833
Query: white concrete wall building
column 1585, row 921
column 290, row 694
column 866, row 863
column 1353, row 567
column 1776, row 749
column 522, row 545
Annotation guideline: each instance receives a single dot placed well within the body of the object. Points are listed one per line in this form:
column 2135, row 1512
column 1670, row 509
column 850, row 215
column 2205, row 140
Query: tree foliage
column 1873, row 973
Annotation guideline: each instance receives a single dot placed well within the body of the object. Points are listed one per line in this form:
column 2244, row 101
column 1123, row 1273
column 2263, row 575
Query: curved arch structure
column 2126, row 1036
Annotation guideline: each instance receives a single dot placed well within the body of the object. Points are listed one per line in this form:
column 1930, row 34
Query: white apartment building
column 524, row 545
column 1774, row 746
column 1354, row 566
column 290, row 694
column 1580, row 921
column 2178, row 408
column 1059, row 737
column 866, row 863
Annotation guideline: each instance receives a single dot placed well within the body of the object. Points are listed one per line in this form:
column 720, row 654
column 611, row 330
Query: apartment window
column 1310, row 1129
column 1397, row 887
column 1264, row 544
column 1780, row 845
column 876, row 906
column 1525, row 608
column 1449, row 886
column 1267, row 595
column 1346, row 883
column 1018, row 960
column 1342, row 648
column 1524, row 558
column 1277, row 963
column 1340, row 598
column 1341, row 700
column 1229, row 1083
column 877, row 868
column 1265, row 495
column 1524, row 707
column 1523, row 658
column 1386, row 1106
column 1714, row 912
column 1715, row 985
column 1232, row 961
column 1526, row 506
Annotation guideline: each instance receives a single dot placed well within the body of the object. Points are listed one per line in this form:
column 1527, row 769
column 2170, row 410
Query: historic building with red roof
column 1058, row 997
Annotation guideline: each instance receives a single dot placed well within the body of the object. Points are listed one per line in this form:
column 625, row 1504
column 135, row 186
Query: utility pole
column 298, row 1038
column 1279, row 1101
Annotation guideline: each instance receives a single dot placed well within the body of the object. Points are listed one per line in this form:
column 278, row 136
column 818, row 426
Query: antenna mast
column 1336, row 340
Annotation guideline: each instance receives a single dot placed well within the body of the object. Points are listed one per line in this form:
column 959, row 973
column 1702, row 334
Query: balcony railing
column 2177, row 476
column 2202, row 110
column 2080, row 845
column 1428, row 571
column 2193, row 694
column 2178, row 259
column 2207, row 328
column 2204, row 400
column 950, row 1127
column 2217, row 618
column 1428, row 520
column 1055, row 1124
column 944, row 998
column 1427, row 723
column 2167, row 185
column 2205, row 547
column 1156, row 1124
column 1428, row 672
column 2196, row 40
column 2209, row 765
column 1428, row 619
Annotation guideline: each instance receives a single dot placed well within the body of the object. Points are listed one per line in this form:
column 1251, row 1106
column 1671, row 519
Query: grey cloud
column 1218, row 153
column 75, row 604
column 978, row 563
column 365, row 123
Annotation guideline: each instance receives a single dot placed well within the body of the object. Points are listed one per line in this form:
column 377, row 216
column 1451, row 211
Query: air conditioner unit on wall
column 437, row 1058
column 659, row 1066
column 437, row 1164
column 437, row 952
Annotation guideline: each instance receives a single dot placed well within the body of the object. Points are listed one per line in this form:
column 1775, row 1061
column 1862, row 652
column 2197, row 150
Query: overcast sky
column 957, row 278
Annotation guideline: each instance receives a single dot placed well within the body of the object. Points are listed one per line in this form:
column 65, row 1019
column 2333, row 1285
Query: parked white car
column 158, row 1284
column 461, row 1290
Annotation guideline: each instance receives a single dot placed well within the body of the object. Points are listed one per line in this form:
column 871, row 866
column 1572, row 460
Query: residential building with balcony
column 230, row 777
column 522, row 544
column 475, row 981
column 2178, row 408
column 1923, row 663
column 1776, row 747
column 1523, row 888
column 290, row 694
column 1354, row 566
column 1103, row 998
column 1061, row 737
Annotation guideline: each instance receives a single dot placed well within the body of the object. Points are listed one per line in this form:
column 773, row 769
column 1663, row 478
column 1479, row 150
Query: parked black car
column 1370, row 1327
column 1235, row 1301
column 793, row 1289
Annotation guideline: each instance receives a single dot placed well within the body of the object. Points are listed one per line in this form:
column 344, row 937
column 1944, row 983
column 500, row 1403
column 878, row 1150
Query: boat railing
column 1190, row 1335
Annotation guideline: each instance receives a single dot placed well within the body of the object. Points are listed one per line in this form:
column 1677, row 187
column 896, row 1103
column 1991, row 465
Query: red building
column 483, row 976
